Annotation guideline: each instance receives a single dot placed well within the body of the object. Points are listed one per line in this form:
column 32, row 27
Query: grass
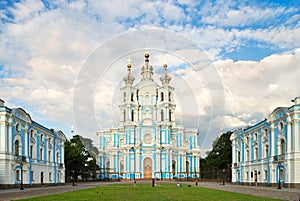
column 146, row 192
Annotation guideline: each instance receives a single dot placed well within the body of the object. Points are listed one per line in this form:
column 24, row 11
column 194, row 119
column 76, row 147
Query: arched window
column 49, row 156
column 187, row 168
column 57, row 157
column 282, row 147
column 131, row 96
column 161, row 96
column 280, row 126
column 255, row 153
column 31, row 151
column 17, row 146
column 132, row 115
column 266, row 150
column 41, row 154
column 255, row 136
column 247, row 155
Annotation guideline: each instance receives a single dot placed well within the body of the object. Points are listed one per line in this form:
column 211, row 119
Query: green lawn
column 146, row 192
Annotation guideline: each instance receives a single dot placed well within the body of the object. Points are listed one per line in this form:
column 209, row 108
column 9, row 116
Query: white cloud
column 257, row 88
column 42, row 51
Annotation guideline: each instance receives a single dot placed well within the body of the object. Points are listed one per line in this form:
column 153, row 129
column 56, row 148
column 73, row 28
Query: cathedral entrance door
column 147, row 168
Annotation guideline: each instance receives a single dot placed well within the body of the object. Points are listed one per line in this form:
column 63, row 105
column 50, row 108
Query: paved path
column 284, row 193
column 271, row 192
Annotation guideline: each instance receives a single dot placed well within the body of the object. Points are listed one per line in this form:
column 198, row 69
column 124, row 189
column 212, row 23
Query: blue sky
column 253, row 46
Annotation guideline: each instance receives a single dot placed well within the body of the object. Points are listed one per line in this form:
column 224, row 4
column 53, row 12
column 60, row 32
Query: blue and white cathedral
column 148, row 143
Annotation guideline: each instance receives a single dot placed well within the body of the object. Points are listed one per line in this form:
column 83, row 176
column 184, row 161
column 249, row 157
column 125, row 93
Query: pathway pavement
column 271, row 192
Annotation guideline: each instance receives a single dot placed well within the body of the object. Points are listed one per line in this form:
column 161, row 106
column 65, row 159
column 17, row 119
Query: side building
column 148, row 143
column 30, row 154
column 268, row 153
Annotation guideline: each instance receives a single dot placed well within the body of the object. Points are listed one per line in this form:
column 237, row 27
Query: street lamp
column 279, row 183
column 223, row 176
column 161, row 148
column 22, row 187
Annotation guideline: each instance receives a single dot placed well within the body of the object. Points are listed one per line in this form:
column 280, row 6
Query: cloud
column 257, row 88
column 45, row 45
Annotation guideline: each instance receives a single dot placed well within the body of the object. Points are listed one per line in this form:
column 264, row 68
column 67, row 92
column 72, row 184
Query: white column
column 9, row 136
column 296, row 135
column 2, row 136
column 273, row 145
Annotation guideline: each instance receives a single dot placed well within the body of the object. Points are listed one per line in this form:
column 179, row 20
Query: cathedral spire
column 129, row 78
column 147, row 70
column 165, row 78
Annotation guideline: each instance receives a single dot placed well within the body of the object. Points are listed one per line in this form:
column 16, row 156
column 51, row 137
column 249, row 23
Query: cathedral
column 148, row 144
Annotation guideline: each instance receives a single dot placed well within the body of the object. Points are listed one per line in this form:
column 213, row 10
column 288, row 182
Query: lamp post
column 161, row 148
column 224, row 176
column 132, row 148
column 279, row 183
column 21, row 187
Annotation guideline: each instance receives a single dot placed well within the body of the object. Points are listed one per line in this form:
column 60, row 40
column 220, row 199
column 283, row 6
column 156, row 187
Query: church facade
column 148, row 143
column 30, row 154
column 268, row 153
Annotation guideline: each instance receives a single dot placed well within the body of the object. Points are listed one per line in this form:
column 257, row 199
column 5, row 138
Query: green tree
column 219, row 158
column 78, row 160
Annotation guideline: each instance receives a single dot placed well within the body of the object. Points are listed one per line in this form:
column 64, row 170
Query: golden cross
column 129, row 60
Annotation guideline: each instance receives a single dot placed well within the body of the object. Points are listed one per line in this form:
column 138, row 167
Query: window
column 169, row 96
column 162, row 115
column 282, row 147
column 239, row 156
column 18, row 128
column 266, row 174
column 255, row 136
column 266, row 150
column 170, row 115
column 49, row 156
column 247, row 155
column 255, row 153
column 31, row 151
column 131, row 96
column 132, row 115
column 124, row 97
column 57, row 157
column 247, row 175
column 238, row 176
column 41, row 154
column 17, row 153
column 31, row 134
column 124, row 113
column 280, row 126
column 18, row 175
column 50, row 176
column 266, row 132
column 42, row 136
column 162, row 96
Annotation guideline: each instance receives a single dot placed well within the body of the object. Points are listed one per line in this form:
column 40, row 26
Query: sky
column 231, row 62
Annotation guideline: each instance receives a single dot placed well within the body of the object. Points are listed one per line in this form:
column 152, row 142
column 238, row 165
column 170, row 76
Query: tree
column 79, row 162
column 219, row 158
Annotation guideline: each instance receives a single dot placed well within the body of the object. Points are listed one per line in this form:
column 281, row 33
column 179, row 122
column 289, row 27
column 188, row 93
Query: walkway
column 271, row 192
